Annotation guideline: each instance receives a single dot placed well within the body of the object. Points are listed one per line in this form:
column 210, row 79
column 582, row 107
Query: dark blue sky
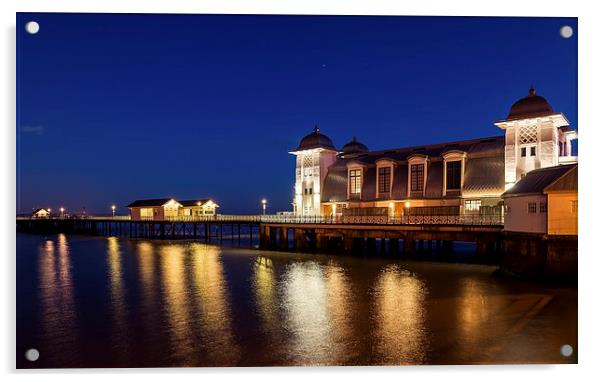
column 113, row 108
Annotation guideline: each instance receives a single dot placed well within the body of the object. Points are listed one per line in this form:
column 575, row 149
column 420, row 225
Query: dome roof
column 315, row 140
column 354, row 147
column 530, row 106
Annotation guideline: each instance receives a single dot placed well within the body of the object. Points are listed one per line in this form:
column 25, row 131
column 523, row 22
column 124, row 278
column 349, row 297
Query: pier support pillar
column 282, row 238
column 321, row 242
column 409, row 245
column 394, row 247
column 371, row 246
column 301, row 243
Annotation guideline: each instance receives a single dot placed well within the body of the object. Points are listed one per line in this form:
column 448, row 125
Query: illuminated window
column 146, row 213
column 453, row 175
column 417, row 177
column 472, row 205
column 543, row 207
column 355, row 182
column 384, row 179
column 532, row 208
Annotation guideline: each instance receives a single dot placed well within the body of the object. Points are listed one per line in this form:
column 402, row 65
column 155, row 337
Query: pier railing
column 478, row 220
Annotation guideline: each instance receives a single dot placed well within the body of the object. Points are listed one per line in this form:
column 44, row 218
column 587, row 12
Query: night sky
column 113, row 108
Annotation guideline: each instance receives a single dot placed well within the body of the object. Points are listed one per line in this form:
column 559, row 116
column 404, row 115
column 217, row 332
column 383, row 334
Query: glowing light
column 391, row 205
column 407, row 204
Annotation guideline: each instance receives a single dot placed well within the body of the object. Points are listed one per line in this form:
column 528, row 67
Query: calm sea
column 115, row 302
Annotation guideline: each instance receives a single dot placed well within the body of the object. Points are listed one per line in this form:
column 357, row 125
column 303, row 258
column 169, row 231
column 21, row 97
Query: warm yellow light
column 49, row 210
column 113, row 207
column 198, row 204
column 391, row 205
column 264, row 201
column 407, row 204
column 62, row 209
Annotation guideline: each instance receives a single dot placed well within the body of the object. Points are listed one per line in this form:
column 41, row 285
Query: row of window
column 532, row 207
column 523, row 151
column 453, row 178
column 308, row 191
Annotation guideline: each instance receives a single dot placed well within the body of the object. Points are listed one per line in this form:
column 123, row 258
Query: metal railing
column 477, row 220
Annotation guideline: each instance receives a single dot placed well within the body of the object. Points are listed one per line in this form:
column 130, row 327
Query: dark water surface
column 114, row 302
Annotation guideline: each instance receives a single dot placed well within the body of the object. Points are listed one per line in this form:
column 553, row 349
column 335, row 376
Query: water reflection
column 473, row 311
column 119, row 307
column 211, row 300
column 400, row 314
column 176, row 302
column 315, row 303
column 266, row 294
column 59, row 327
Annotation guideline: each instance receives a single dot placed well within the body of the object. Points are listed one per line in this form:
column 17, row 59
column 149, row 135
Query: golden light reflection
column 266, row 294
column 119, row 307
column 211, row 300
column 474, row 311
column 176, row 301
column 400, row 315
column 315, row 300
column 59, row 317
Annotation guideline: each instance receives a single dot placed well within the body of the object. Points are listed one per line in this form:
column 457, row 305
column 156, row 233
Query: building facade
column 171, row 209
column 453, row 178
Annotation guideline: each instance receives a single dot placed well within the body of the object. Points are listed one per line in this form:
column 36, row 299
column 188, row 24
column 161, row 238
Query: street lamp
column 113, row 209
column 264, row 204
column 62, row 212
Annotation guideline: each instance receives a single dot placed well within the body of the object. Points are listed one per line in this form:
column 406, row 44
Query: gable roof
column 149, row 202
column 38, row 210
column 194, row 203
column 567, row 182
column 536, row 181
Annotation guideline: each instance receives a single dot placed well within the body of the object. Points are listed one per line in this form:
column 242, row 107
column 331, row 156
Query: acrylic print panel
column 230, row 190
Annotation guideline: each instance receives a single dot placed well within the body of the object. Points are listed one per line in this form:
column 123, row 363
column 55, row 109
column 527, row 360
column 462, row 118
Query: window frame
column 418, row 181
column 357, row 174
column 531, row 207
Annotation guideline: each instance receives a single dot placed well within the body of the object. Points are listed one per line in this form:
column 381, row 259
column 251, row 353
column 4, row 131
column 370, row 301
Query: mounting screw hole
column 566, row 350
column 32, row 355
column 566, row 31
column 32, row 27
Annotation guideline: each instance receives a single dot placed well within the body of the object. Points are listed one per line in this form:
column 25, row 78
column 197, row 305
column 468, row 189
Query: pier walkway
column 341, row 234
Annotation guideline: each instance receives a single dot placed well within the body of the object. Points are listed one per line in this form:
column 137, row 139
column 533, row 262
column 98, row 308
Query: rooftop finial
column 316, row 129
column 532, row 90
column 354, row 139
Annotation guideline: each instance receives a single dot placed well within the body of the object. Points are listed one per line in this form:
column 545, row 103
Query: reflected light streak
column 315, row 302
column 119, row 307
column 266, row 297
column 176, row 302
column 211, row 300
column 400, row 315
column 59, row 334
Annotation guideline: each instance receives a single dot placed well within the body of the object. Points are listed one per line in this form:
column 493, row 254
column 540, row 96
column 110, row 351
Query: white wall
column 518, row 218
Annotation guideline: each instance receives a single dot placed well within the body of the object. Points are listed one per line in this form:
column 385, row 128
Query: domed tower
column 315, row 155
column 353, row 147
column 536, row 137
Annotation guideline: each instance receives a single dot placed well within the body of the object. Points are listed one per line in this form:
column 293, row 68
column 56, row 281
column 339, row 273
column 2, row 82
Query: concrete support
column 409, row 245
column 394, row 247
column 371, row 246
column 283, row 238
column 301, row 243
column 321, row 242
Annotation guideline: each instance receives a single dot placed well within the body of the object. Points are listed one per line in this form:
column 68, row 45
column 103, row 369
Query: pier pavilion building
column 452, row 178
column 169, row 208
